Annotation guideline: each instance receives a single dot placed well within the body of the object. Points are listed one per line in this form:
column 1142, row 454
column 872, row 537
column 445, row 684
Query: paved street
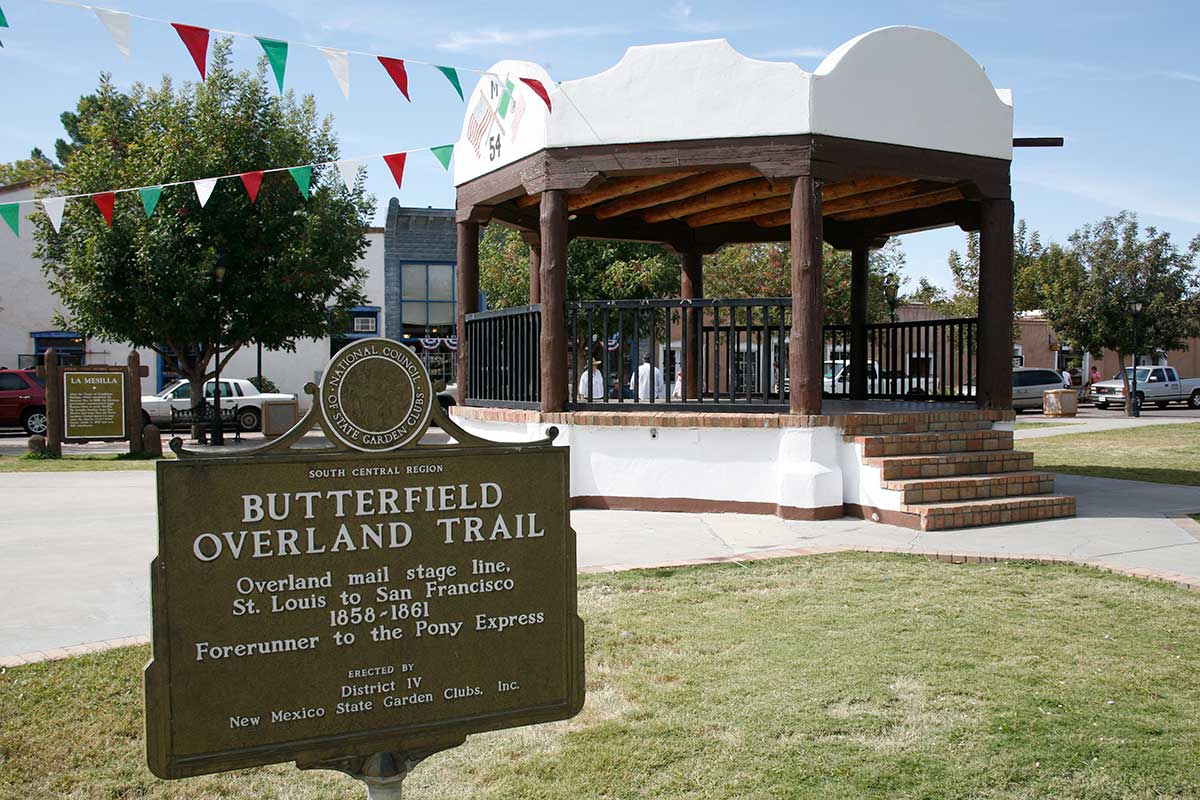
column 78, row 545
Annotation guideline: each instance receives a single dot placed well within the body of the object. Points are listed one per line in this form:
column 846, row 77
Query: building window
column 427, row 300
column 364, row 324
column 68, row 345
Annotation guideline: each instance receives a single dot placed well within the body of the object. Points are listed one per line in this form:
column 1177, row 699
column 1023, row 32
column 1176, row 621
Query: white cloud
column 681, row 18
column 1179, row 76
column 458, row 41
column 1158, row 200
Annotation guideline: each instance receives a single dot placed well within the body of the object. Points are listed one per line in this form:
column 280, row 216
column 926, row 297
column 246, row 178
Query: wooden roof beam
column 613, row 188
column 843, row 196
column 697, row 184
column 921, row 201
column 742, row 192
column 925, row 194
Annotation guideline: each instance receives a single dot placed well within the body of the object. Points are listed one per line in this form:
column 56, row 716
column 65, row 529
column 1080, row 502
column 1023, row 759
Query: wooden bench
column 202, row 415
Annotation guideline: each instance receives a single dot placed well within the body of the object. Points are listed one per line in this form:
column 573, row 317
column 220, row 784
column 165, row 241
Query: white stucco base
column 792, row 472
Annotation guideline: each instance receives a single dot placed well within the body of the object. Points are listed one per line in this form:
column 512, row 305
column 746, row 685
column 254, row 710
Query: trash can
column 278, row 416
column 1060, row 402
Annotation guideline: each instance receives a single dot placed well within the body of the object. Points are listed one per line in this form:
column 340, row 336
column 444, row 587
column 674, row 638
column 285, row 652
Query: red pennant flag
column 196, row 41
column 104, row 202
column 539, row 90
column 395, row 68
column 395, row 163
column 252, row 180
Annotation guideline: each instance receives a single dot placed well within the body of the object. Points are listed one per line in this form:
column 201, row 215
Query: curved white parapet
column 897, row 85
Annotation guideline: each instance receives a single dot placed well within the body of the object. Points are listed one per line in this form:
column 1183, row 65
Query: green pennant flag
column 277, row 54
column 443, row 154
column 303, row 178
column 150, row 195
column 3, row 21
column 12, row 215
column 505, row 98
column 451, row 75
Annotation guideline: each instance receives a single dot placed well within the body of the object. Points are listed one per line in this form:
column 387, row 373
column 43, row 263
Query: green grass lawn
column 1026, row 426
column 76, row 463
column 842, row 676
column 1155, row 453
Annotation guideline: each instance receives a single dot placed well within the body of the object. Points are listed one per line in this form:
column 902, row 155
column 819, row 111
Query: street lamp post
column 218, row 431
column 891, row 288
column 1131, row 403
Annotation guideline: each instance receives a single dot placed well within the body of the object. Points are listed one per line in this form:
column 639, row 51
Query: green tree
column 1028, row 266
column 36, row 168
column 599, row 270
column 289, row 263
column 1111, row 264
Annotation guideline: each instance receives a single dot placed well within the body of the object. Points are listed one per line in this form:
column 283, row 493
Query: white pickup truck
column 1159, row 385
column 156, row 408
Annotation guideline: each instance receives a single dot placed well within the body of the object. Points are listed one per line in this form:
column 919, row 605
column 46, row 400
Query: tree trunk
column 1128, row 387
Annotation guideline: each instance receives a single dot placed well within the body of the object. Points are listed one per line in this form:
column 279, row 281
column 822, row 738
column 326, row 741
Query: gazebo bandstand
column 695, row 146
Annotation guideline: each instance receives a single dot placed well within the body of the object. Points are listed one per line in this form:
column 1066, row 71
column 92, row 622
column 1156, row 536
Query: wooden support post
column 554, row 299
column 994, row 353
column 805, row 356
column 54, row 403
column 691, row 287
column 535, row 266
column 468, row 298
column 133, row 401
column 860, row 257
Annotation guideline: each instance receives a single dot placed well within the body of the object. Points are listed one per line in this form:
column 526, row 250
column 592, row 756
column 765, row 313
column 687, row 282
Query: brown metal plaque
column 93, row 404
column 313, row 607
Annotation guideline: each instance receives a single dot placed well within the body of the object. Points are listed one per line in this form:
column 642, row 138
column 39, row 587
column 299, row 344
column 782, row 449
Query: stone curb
column 1189, row 582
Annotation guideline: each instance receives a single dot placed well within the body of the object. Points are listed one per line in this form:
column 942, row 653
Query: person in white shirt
column 1066, row 376
column 597, row 385
column 649, row 382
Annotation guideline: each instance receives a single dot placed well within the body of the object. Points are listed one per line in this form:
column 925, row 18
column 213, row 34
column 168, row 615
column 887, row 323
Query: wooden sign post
column 361, row 608
column 93, row 403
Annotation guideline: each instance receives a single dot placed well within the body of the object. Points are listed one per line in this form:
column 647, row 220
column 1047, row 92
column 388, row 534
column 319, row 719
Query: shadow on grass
column 1175, row 477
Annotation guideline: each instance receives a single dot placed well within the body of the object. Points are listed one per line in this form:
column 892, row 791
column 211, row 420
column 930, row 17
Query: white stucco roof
column 899, row 85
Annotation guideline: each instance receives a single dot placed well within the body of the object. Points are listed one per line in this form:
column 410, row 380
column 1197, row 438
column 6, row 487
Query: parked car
column 1029, row 383
column 156, row 408
column 23, row 400
column 447, row 396
column 1159, row 385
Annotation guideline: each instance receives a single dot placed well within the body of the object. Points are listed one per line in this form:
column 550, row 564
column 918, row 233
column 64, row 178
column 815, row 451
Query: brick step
column 994, row 511
column 868, row 427
column 946, row 465
column 905, row 444
column 971, row 487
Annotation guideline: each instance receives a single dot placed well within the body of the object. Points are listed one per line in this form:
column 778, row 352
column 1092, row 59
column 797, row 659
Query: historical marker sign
column 93, row 404
column 313, row 607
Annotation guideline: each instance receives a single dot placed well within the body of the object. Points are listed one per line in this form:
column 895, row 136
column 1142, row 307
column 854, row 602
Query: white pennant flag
column 204, row 189
column 54, row 210
column 339, row 65
column 349, row 173
column 117, row 23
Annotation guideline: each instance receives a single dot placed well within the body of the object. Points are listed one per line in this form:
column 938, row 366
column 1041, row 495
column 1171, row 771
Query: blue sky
column 1120, row 81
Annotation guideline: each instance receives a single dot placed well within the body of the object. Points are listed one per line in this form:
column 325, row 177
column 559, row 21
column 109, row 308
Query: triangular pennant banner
column 117, row 23
column 443, row 154
column 204, row 189
column 252, row 180
column 539, row 90
column 104, row 202
column 349, row 172
column 303, row 178
column 54, row 210
column 395, row 163
column 3, row 21
column 196, row 41
column 395, row 68
column 276, row 54
column 451, row 75
column 339, row 65
column 12, row 215
column 150, row 195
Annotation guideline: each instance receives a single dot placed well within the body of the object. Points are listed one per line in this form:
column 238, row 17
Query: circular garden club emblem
column 376, row 396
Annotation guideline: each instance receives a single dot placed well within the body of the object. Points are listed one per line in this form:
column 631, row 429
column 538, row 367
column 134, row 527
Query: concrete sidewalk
column 77, row 546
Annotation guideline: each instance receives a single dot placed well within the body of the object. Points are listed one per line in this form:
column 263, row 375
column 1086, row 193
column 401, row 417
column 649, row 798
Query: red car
column 23, row 400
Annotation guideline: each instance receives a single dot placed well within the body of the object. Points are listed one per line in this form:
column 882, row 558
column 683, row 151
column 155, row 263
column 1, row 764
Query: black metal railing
column 503, row 357
column 723, row 354
column 924, row 360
